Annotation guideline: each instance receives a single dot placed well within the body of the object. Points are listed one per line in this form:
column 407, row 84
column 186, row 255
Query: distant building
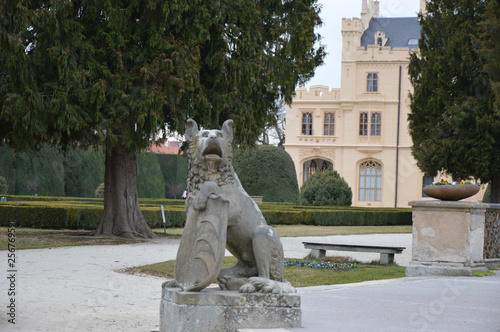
column 166, row 147
column 361, row 129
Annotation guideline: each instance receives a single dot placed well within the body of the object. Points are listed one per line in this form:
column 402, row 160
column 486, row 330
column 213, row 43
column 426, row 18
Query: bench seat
column 318, row 250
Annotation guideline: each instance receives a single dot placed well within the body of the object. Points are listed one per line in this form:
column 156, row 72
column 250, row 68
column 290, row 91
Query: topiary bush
column 267, row 171
column 326, row 188
column 99, row 191
column 150, row 182
column 3, row 186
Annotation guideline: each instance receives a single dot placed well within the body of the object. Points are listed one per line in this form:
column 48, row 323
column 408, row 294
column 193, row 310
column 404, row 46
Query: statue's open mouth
column 212, row 151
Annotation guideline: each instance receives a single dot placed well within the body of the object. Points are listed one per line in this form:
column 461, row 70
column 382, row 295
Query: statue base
column 215, row 310
column 448, row 238
column 421, row 269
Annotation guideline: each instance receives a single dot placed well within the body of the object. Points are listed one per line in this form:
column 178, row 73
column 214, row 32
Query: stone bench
column 386, row 253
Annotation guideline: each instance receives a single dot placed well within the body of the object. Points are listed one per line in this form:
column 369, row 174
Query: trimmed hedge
column 267, row 171
column 85, row 213
column 79, row 217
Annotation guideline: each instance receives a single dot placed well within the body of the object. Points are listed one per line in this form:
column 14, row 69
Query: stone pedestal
column 448, row 238
column 216, row 310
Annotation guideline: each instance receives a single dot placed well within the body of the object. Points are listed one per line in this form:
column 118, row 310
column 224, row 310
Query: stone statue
column 212, row 183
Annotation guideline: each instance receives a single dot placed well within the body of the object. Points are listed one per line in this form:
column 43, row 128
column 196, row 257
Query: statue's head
column 210, row 153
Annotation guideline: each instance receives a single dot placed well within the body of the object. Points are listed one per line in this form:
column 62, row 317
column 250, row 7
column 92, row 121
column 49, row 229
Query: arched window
column 324, row 166
column 370, row 181
column 312, row 168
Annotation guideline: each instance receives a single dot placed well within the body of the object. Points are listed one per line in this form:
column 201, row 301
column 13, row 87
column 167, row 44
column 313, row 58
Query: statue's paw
column 287, row 288
column 170, row 284
column 263, row 285
column 248, row 288
column 231, row 283
column 200, row 203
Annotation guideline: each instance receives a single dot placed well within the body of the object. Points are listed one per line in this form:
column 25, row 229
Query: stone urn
column 450, row 192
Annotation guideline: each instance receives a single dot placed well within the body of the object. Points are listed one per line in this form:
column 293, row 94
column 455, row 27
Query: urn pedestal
column 448, row 238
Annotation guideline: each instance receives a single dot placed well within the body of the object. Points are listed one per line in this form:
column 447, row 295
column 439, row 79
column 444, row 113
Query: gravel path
column 80, row 288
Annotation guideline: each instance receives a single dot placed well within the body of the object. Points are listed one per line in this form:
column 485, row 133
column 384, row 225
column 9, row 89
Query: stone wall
column 492, row 232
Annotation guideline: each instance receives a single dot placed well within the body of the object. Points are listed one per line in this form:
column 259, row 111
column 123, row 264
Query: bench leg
column 318, row 253
column 386, row 258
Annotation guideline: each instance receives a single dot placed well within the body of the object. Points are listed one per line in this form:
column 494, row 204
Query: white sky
column 332, row 13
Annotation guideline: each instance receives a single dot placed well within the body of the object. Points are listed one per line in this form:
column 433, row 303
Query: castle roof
column 400, row 31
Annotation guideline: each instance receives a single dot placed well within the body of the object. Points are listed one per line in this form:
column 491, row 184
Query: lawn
column 301, row 276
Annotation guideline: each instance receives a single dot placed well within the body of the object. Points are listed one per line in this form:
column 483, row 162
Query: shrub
column 174, row 170
column 3, row 186
column 267, row 171
column 326, row 188
column 150, row 182
column 99, row 191
column 83, row 171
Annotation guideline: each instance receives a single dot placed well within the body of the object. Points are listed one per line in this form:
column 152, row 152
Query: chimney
column 423, row 7
column 364, row 7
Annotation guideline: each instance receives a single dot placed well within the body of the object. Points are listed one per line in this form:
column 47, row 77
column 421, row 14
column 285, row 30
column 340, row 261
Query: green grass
column 33, row 238
column 483, row 273
column 299, row 276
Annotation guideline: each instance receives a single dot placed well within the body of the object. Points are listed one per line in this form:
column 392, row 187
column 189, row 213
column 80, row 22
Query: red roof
column 172, row 148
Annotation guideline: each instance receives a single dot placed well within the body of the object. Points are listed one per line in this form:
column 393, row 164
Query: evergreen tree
column 7, row 169
column 4, row 187
column 48, row 171
column 174, row 169
column 453, row 123
column 83, row 171
column 150, row 183
column 115, row 73
column 489, row 42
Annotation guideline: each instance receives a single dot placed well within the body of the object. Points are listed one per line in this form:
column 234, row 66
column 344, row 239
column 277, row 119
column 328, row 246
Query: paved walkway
column 78, row 289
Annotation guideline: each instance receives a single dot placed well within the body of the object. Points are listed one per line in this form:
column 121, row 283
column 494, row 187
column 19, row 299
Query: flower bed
column 320, row 265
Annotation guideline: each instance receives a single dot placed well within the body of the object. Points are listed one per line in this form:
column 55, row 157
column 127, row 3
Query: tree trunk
column 495, row 189
column 122, row 215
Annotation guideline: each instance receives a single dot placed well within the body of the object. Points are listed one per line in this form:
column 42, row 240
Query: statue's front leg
column 268, row 252
column 201, row 198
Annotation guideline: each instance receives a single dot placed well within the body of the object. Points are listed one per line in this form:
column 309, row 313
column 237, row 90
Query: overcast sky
column 332, row 13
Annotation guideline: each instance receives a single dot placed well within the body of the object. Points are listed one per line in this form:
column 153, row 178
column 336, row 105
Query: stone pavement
column 79, row 289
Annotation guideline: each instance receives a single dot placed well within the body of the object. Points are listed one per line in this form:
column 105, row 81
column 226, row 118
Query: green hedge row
column 87, row 200
column 74, row 214
column 78, row 217
column 339, row 217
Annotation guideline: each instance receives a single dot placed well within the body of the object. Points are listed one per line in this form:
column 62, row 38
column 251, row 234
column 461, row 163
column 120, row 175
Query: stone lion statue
column 256, row 245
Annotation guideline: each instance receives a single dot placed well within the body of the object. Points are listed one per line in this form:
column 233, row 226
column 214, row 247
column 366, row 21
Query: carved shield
column 203, row 244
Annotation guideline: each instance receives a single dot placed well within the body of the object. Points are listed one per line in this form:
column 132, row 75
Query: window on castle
column 312, row 168
column 363, row 124
column 324, row 167
column 379, row 41
column 307, row 123
column 426, row 180
column 329, row 124
column 372, row 82
column 375, row 123
column 370, row 181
